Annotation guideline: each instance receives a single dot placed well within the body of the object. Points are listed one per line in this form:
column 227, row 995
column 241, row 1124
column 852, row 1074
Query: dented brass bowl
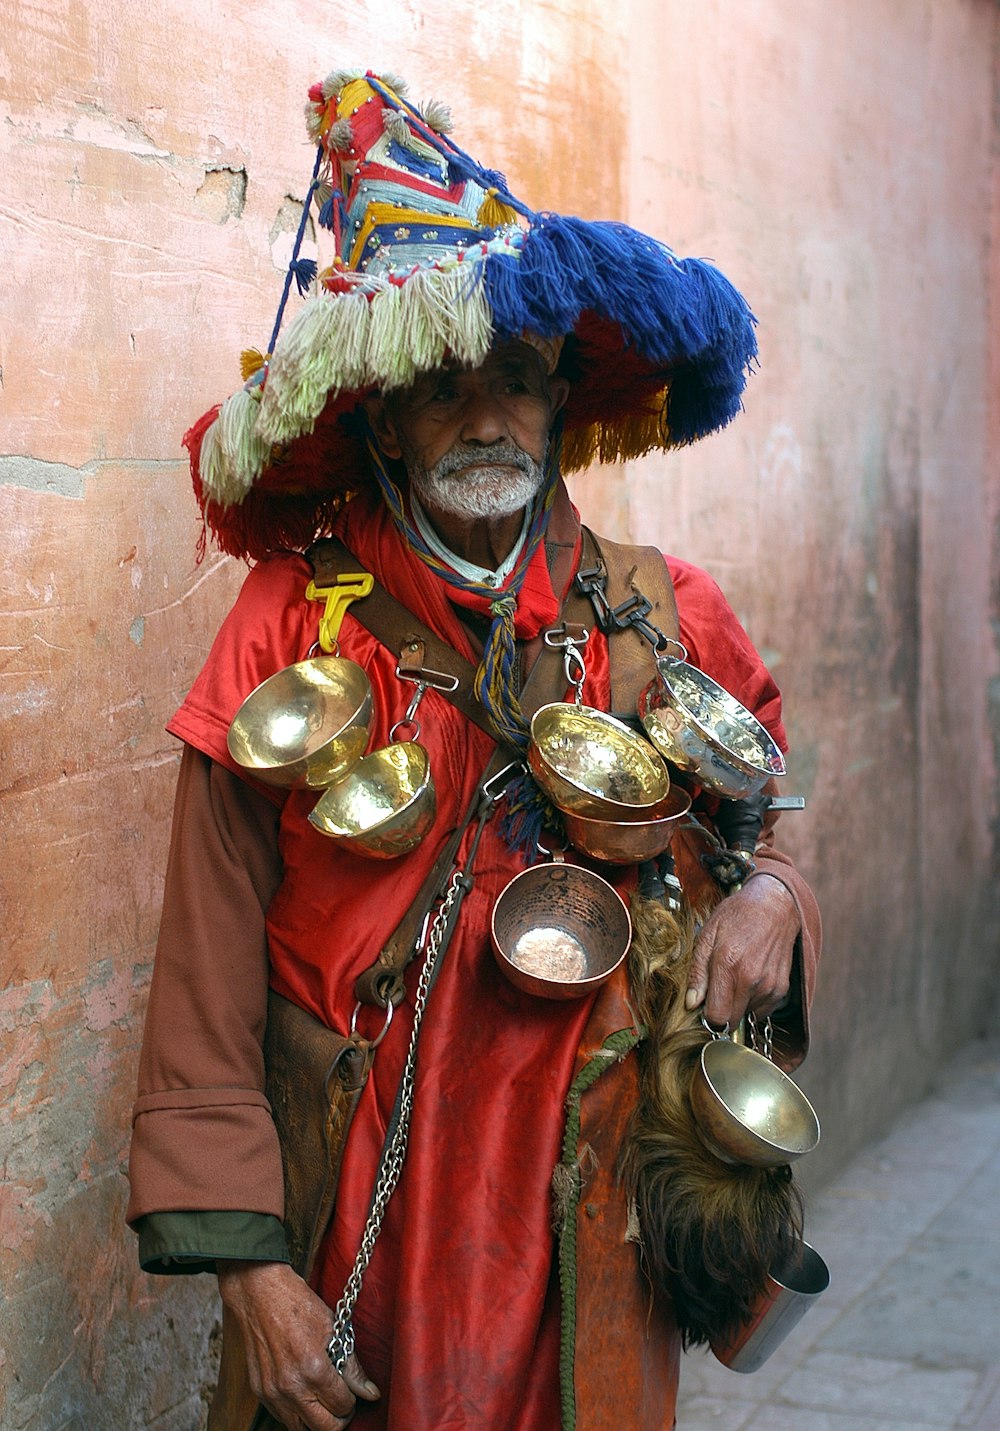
column 590, row 764
column 306, row 725
column 695, row 723
column 747, row 1110
column 384, row 806
column 627, row 842
column 560, row 931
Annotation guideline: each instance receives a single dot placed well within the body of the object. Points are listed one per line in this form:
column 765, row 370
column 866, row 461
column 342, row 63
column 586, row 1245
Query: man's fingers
column 303, row 1410
column 698, row 972
column 358, row 1380
column 722, row 998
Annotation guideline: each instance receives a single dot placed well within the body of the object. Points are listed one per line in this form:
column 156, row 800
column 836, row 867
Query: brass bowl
column 695, row 723
column 747, row 1110
column 590, row 764
column 560, row 931
column 305, row 726
column 384, row 806
column 627, row 842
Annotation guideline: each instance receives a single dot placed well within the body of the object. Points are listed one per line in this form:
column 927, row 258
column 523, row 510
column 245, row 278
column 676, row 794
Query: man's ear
column 558, row 393
column 382, row 425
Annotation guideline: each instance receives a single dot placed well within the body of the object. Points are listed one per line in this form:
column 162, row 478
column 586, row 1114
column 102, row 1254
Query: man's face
column 474, row 441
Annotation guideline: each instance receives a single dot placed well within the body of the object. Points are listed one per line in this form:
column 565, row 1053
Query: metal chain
column 766, row 1032
column 341, row 1343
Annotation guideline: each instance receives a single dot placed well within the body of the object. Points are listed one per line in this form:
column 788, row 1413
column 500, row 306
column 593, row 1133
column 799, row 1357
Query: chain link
column 763, row 1030
column 341, row 1343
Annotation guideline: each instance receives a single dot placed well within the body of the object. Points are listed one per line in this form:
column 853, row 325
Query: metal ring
column 424, row 676
column 714, row 1030
column 663, row 645
column 406, row 721
column 389, row 1010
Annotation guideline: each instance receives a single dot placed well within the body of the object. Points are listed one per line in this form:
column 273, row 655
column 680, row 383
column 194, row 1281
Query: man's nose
column 483, row 420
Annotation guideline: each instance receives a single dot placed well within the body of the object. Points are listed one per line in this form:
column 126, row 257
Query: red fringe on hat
column 297, row 497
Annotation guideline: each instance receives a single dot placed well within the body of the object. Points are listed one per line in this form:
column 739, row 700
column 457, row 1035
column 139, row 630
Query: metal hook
column 506, row 775
column 574, row 669
column 424, row 679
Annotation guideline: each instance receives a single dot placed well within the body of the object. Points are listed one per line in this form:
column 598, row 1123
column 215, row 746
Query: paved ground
column 907, row 1338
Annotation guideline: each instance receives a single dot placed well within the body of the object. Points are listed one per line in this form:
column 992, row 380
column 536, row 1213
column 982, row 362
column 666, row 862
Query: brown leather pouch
column 314, row 1080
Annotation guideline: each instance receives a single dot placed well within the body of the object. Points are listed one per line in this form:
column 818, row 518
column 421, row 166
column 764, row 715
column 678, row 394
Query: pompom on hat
column 435, row 261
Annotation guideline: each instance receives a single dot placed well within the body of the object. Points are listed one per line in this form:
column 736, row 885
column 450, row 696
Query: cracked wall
column 838, row 162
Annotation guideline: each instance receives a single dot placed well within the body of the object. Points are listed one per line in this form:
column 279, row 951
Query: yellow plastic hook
column 350, row 586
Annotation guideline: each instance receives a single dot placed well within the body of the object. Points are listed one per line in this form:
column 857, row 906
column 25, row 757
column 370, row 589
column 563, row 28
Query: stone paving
column 907, row 1337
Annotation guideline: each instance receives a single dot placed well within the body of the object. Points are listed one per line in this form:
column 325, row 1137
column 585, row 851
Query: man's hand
column 285, row 1330
column 743, row 955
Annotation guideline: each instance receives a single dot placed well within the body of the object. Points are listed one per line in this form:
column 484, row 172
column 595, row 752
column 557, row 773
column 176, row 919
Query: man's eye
column 444, row 392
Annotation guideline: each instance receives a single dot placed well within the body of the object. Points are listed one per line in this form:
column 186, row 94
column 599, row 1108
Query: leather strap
column 402, row 633
column 383, row 980
column 396, row 628
column 634, row 571
column 392, row 624
column 389, row 621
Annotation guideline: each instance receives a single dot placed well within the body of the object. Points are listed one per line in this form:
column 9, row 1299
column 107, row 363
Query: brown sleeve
column 791, row 1024
column 202, row 1135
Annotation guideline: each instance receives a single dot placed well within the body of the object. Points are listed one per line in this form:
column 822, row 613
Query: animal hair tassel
column 710, row 1231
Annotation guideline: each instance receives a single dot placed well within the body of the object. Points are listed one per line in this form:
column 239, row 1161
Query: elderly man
column 420, row 410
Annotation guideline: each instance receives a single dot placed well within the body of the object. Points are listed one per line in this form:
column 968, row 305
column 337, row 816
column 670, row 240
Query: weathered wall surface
column 839, row 163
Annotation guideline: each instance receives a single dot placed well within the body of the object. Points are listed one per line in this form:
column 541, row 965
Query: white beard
column 470, row 481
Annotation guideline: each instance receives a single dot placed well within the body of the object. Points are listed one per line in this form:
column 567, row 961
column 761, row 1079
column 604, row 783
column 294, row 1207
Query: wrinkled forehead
column 506, row 360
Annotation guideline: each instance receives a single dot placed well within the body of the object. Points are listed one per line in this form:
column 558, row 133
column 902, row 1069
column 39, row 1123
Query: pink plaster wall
column 840, row 164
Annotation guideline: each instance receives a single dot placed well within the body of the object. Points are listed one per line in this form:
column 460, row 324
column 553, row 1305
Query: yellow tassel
column 251, row 361
column 620, row 441
column 494, row 213
column 579, row 449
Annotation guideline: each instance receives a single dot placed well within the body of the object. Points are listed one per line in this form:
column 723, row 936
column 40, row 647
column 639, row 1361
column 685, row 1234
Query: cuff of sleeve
column 184, row 1242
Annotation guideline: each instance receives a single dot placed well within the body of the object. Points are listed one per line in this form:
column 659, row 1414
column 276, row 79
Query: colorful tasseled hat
column 435, row 261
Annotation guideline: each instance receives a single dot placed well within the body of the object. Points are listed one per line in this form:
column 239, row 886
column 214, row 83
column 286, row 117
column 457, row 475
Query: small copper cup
column 559, row 930
column 629, row 842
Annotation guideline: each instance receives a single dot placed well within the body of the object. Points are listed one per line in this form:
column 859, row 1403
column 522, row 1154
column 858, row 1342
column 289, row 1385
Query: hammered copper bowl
column 560, row 931
column 384, row 806
column 628, row 842
column 305, row 726
column 590, row 764
column 695, row 723
column 747, row 1110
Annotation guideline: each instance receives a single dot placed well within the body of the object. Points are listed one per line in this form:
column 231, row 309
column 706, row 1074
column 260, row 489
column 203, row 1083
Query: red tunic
column 458, row 1320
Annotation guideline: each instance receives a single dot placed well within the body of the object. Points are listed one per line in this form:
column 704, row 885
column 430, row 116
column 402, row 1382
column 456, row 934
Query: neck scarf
column 497, row 676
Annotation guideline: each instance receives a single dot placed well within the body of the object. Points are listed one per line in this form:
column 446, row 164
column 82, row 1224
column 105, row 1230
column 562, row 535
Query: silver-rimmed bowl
column 706, row 732
column 747, row 1110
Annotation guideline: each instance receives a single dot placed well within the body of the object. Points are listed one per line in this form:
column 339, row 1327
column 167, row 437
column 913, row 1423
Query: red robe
column 459, row 1318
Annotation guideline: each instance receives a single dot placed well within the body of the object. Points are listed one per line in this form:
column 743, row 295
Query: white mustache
column 500, row 454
